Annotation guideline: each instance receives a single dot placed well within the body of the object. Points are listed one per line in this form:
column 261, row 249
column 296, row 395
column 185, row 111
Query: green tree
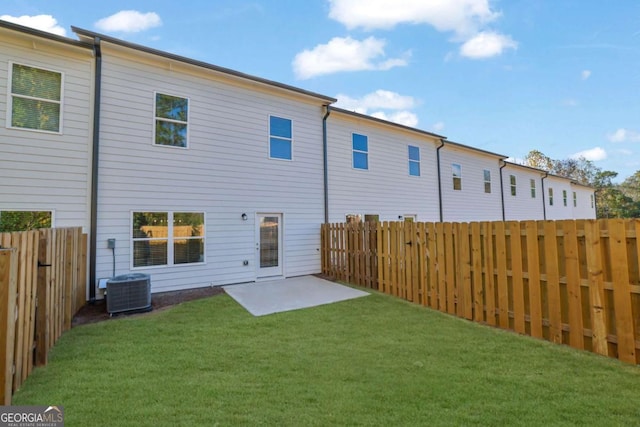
column 24, row 220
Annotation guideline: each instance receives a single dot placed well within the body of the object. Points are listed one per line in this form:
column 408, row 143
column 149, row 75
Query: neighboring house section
column 558, row 197
column 380, row 169
column 46, row 115
column 527, row 201
column 582, row 201
column 470, row 180
column 207, row 177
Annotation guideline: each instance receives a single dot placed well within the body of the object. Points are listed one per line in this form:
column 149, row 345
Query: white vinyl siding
column 583, row 202
column 225, row 172
column 470, row 203
column 47, row 170
column 386, row 189
column 559, row 189
column 522, row 208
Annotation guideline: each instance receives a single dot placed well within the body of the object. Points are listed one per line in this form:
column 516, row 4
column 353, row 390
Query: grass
column 369, row 361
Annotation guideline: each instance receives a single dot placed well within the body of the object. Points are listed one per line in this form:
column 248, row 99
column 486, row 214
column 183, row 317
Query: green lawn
column 370, row 361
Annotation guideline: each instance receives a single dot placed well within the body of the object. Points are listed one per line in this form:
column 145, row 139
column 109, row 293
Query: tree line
column 613, row 200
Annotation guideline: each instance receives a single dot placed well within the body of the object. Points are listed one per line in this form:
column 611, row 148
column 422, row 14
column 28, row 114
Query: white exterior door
column 269, row 244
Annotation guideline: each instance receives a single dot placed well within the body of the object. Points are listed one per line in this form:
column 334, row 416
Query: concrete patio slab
column 261, row 298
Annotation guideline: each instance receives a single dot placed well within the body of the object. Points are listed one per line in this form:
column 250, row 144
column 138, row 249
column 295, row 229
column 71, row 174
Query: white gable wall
column 386, row 188
column 225, row 172
column 43, row 170
column 523, row 206
column 471, row 203
column 558, row 210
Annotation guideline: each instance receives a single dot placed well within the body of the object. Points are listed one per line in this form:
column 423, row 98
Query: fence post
column 8, row 289
column 596, row 288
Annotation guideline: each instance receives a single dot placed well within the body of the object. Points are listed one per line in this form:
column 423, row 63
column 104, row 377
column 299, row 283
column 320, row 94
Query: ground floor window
column 24, row 220
column 167, row 238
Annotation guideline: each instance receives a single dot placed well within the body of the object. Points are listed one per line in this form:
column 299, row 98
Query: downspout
column 502, row 189
column 544, row 204
column 325, row 164
column 439, row 179
column 94, row 170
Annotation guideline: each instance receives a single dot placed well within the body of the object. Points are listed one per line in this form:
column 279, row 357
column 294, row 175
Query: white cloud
column 40, row 22
column 624, row 135
column 406, row 118
column 344, row 54
column 438, row 127
column 464, row 17
column 385, row 104
column 487, row 44
column 593, row 154
column 585, row 74
column 129, row 21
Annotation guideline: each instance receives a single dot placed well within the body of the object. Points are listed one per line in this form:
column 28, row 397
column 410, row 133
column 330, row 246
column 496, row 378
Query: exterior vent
column 129, row 292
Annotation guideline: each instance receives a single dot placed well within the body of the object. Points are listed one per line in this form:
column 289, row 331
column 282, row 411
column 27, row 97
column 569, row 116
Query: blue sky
column 562, row 77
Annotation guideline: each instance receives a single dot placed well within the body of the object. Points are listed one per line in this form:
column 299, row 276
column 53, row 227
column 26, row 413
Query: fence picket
column 574, row 292
column 516, row 277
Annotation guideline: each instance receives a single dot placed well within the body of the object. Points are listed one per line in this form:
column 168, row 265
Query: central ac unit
column 129, row 292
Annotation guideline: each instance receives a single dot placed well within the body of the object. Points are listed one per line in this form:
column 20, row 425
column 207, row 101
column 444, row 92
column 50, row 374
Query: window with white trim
column 550, row 196
column 24, row 220
column 36, row 99
column 564, row 197
column 167, row 238
column 414, row 160
column 171, row 120
column 280, row 138
column 360, row 146
column 575, row 199
column 532, row 184
column 456, row 171
column 487, row 180
column 512, row 183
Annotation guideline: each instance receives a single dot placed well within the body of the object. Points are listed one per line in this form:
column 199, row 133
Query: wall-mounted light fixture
column 244, row 217
column 400, row 217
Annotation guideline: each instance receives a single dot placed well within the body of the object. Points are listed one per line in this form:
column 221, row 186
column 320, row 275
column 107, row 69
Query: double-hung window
column 456, row 171
column 575, row 199
column 487, row 180
column 550, row 196
column 360, row 146
column 512, row 183
column 36, row 99
column 532, row 184
column 414, row 160
column 280, row 138
column 564, row 197
column 171, row 120
column 167, row 238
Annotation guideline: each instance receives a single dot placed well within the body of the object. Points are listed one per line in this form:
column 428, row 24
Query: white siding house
column 206, row 177
column 380, row 168
column 523, row 198
column 46, row 115
column 582, row 201
column 558, row 198
column 470, row 180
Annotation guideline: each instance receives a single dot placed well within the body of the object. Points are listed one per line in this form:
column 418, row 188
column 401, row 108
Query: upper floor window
column 36, row 99
column 564, row 197
column 591, row 198
column 487, row 181
column 575, row 199
column 360, row 145
column 171, row 116
column 456, row 170
column 167, row 238
column 550, row 196
column 280, row 138
column 512, row 183
column 414, row 160
column 532, row 184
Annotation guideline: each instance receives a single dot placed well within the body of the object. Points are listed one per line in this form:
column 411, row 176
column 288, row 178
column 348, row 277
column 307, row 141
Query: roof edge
column 480, row 150
column 44, row 34
column 202, row 64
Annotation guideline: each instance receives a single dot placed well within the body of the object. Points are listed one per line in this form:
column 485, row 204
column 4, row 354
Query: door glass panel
column 269, row 241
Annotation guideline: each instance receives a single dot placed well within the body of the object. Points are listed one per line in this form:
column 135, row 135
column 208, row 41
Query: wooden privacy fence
column 569, row 282
column 42, row 285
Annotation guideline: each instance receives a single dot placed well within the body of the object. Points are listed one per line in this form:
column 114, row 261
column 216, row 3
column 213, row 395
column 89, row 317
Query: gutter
column 94, row 170
column 325, row 166
column 544, row 205
column 502, row 190
column 439, row 178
